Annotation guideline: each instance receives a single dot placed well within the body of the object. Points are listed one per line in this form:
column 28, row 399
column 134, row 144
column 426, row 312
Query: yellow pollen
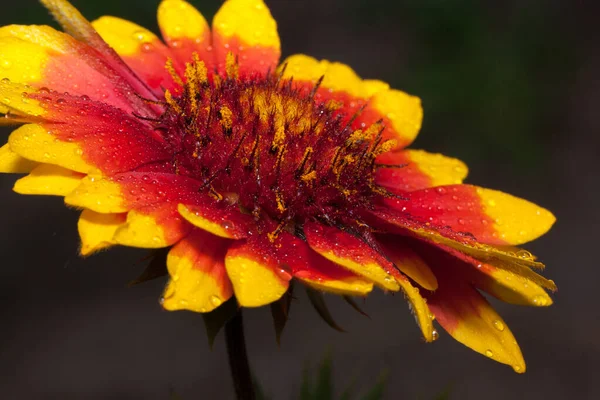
column 231, row 66
column 171, row 69
column 386, row 146
column 226, row 117
column 309, row 177
column 171, row 102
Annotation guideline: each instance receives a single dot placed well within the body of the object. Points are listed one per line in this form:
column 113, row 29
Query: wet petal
column 11, row 162
column 246, row 28
column 409, row 262
column 153, row 227
column 141, row 50
column 420, row 170
column 49, row 179
column 35, row 143
column 295, row 256
column 97, row 230
column 366, row 101
column 492, row 217
column 43, row 57
column 455, row 242
column 218, row 218
column 254, row 274
column 419, row 308
column 351, row 253
column 471, row 320
column 199, row 280
column 185, row 31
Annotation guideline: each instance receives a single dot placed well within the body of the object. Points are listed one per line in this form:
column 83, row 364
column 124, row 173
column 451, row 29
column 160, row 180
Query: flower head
column 258, row 172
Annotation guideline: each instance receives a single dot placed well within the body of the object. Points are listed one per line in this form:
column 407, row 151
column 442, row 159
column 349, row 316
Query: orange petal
column 419, row 308
column 43, row 57
column 471, row 320
column 99, row 195
column 49, row 179
column 141, row 50
column 256, row 277
column 247, row 29
column 457, row 243
column 11, row 162
column 419, row 170
column 97, row 230
column 35, row 143
column 218, row 218
column 199, row 280
column 409, row 262
column 153, row 227
column 352, row 254
column 185, row 31
column 294, row 255
column 492, row 217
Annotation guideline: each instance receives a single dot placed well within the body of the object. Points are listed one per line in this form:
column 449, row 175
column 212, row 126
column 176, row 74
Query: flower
column 257, row 173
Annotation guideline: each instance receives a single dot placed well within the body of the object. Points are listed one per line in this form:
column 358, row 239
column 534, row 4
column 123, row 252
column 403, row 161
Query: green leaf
column 445, row 395
column 376, row 393
column 157, row 268
column 280, row 311
column 324, row 387
column 216, row 319
column 351, row 301
column 258, row 389
column 318, row 302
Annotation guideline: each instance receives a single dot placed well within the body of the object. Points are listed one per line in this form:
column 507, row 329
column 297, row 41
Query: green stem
column 238, row 358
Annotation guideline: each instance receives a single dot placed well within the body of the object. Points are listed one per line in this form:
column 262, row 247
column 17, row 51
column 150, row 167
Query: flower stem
column 238, row 358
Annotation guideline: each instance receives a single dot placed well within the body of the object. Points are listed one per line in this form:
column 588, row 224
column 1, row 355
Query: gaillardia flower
column 258, row 172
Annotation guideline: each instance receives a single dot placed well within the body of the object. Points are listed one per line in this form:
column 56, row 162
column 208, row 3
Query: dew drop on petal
column 498, row 325
column 489, row 353
column 215, row 300
column 435, row 335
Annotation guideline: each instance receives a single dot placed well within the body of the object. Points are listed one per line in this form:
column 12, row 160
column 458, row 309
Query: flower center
column 271, row 147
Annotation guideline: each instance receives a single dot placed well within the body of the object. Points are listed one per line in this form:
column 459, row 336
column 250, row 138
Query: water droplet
column 498, row 325
column 489, row 353
column 517, row 368
column 216, row 301
column 435, row 335
column 524, row 254
column 540, row 300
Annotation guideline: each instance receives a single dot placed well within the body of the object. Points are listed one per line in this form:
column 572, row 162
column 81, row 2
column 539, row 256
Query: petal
column 402, row 115
column 14, row 104
column 419, row 170
column 35, row 143
column 256, row 277
column 101, row 55
column 43, row 57
column 185, row 31
column 492, row 217
column 97, row 230
column 419, row 308
column 135, row 190
column 199, row 280
column 471, row 320
column 294, row 255
column 504, row 285
column 153, row 227
column 458, row 243
column 409, row 262
column 108, row 138
column 351, row 253
column 218, row 218
column 366, row 102
column 141, row 50
column 246, row 28
column 49, row 179
column 11, row 162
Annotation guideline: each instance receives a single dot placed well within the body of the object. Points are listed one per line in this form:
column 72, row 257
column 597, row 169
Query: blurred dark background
column 512, row 88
